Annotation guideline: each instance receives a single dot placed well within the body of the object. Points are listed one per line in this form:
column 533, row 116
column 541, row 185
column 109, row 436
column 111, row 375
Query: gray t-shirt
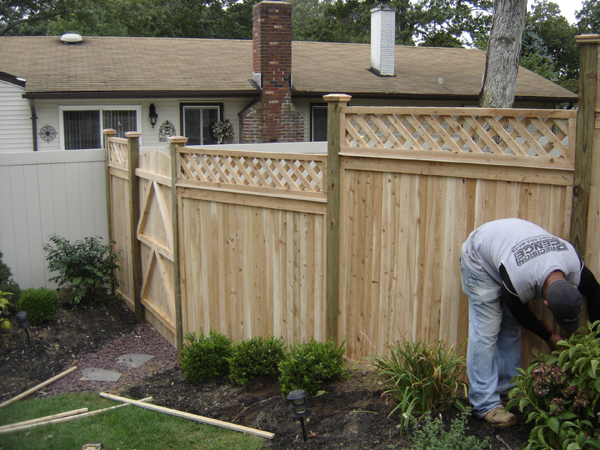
column 528, row 253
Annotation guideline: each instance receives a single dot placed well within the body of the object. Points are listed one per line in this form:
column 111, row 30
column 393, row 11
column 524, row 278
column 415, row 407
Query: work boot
column 500, row 417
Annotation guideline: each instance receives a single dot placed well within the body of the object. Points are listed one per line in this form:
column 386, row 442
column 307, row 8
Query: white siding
column 15, row 119
column 46, row 193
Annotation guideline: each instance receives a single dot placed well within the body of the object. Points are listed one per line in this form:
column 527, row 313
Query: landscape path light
column 23, row 320
column 297, row 403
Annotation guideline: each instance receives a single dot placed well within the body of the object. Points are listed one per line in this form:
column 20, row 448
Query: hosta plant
column 560, row 394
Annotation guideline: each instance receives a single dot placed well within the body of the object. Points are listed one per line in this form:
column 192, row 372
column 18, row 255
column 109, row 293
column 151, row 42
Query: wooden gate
column 155, row 234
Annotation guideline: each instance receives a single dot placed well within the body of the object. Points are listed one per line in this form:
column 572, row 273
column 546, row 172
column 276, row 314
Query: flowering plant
column 560, row 393
column 223, row 131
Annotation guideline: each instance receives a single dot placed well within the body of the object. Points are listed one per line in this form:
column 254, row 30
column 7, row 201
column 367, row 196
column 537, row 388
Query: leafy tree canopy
column 589, row 17
column 15, row 13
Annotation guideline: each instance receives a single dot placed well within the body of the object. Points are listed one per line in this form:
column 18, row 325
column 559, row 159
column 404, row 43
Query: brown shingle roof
column 169, row 66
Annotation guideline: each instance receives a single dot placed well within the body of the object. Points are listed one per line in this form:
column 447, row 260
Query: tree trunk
column 503, row 54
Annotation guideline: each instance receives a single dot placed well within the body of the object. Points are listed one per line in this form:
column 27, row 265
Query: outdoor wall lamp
column 298, row 406
column 23, row 320
column 153, row 116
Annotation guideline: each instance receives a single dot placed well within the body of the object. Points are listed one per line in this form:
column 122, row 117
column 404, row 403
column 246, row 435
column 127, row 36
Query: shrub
column 85, row 268
column 310, row 364
column 421, row 377
column 254, row 358
column 7, row 284
column 432, row 435
column 560, row 393
column 205, row 357
column 39, row 304
column 4, row 304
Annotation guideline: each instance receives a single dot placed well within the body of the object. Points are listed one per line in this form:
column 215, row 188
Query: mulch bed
column 352, row 414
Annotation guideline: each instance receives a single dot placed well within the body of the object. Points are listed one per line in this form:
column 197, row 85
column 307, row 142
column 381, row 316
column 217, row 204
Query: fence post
column 335, row 124
column 585, row 223
column 176, row 142
column 588, row 79
column 135, row 274
column 108, row 133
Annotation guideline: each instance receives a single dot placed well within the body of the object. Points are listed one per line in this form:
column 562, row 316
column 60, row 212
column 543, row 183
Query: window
column 318, row 122
column 197, row 121
column 82, row 126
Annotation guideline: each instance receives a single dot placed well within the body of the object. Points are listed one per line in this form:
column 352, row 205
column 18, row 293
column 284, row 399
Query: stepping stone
column 134, row 360
column 93, row 374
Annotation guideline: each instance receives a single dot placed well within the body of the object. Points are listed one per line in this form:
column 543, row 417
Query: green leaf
column 554, row 424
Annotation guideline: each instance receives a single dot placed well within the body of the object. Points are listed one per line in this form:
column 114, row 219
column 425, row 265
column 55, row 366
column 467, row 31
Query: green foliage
column 560, row 394
column 556, row 48
column 421, row 377
column 310, row 364
column 85, row 268
column 206, row 356
column 7, row 284
column 589, row 17
column 12, row 14
column 431, row 435
column 254, row 358
column 4, row 304
column 40, row 304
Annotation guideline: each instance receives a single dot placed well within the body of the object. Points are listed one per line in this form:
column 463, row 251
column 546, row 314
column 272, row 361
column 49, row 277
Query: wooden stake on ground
column 38, row 387
column 44, row 419
column 185, row 415
column 55, row 419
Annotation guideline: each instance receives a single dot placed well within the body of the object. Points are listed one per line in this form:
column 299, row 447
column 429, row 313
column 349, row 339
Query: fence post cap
column 340, row 98
column 178, row 139
column 109, row 132
column 133, row 134
column 588, row 39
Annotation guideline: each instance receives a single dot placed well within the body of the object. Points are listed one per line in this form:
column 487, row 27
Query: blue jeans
column 494, row 349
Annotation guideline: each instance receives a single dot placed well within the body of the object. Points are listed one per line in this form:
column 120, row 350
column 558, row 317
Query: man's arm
column 524, row 316
column 589, row 287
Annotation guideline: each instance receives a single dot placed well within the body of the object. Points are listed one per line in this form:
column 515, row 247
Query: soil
column 352, row 414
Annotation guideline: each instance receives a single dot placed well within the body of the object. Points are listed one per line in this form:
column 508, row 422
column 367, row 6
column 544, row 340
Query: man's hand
column 553, row 341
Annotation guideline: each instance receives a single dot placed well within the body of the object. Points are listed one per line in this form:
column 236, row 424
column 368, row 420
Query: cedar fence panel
column 414, row 183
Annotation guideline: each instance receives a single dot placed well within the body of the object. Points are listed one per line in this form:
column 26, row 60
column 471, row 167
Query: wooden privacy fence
column 360, row 245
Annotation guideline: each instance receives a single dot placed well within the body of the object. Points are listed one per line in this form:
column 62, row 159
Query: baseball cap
column 565, row 303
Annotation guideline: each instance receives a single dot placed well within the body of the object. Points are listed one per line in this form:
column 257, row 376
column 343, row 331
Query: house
column 58, row 93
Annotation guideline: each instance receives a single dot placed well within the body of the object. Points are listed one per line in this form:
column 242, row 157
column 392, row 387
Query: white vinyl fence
column 42, row 193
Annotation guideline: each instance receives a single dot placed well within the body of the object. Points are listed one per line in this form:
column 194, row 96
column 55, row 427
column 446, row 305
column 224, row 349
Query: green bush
column 40, row 304
column 254, row 358
column 560, row 393
column 85, row 268
column 205, row 357
column 310, row 364
column 431, row 435
column 4, row 304
column 7, row 284
column 421, row 377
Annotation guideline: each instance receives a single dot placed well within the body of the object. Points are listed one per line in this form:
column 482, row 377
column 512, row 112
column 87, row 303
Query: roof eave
column 71, row 95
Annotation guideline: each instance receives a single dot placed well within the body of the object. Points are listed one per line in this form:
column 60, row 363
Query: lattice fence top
column 281, row 171
column 466, row 130
column 117, row 152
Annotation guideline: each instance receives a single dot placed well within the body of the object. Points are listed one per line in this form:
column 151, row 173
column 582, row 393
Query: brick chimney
column 273, row 118
column 383, row 39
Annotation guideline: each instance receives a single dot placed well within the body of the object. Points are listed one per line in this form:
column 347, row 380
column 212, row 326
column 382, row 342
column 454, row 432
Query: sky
column 567, row 8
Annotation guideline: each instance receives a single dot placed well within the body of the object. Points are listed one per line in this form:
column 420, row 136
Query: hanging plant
column 223, row 131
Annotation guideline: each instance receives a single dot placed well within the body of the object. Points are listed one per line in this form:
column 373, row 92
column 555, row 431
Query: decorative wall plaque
column 167, row 129
column 47, row 133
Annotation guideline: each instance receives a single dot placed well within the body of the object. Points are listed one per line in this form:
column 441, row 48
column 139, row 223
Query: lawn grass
column 124, row 428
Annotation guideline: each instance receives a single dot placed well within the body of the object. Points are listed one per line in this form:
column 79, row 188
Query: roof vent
column 71, row 38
